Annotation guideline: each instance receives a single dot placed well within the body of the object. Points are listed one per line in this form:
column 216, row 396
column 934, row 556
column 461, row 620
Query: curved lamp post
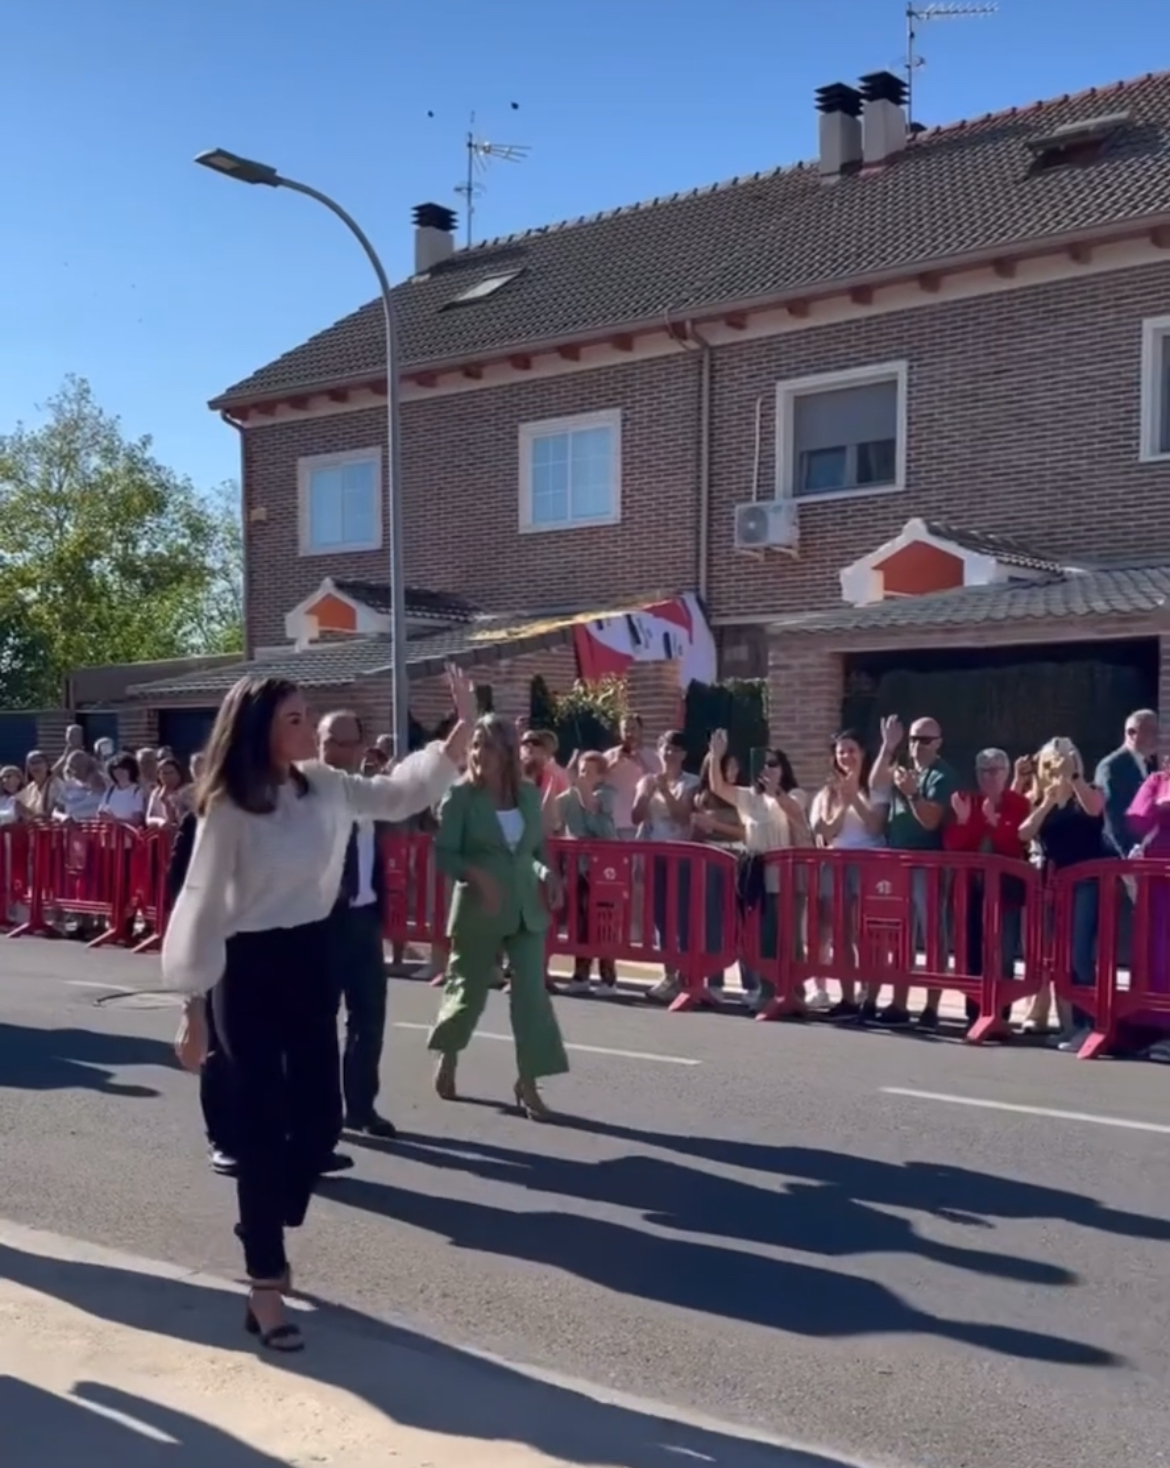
column 247, row 170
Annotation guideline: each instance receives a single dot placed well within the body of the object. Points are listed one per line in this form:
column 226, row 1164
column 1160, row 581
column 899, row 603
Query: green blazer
column 470, row 836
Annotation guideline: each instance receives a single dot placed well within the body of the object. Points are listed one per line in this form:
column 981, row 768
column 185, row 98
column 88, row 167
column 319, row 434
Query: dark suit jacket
column 181, row 857
column 1119, row 779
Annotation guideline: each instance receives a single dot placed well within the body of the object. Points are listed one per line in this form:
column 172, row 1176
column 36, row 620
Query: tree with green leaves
column 106, row 555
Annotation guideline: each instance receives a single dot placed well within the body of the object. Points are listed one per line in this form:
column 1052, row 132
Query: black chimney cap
column 435, row 216
column 837, row 97
column 884, row 86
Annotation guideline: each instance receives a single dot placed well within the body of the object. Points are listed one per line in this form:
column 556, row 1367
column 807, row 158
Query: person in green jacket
column 490, row 843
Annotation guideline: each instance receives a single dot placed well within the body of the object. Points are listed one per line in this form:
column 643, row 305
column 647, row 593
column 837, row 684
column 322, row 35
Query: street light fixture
column 248, row 170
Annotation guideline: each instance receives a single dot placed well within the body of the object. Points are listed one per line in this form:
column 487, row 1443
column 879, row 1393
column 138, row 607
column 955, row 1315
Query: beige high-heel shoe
column 529, row 1100
column 445, row 1078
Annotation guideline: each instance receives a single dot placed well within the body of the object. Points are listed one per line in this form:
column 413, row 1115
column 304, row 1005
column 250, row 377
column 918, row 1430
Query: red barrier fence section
column 982, row 925
column 1111, row 944
column 654, row 902
column 17, row 884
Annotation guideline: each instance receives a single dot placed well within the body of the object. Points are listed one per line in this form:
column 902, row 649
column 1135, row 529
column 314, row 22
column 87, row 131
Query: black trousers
column 215, row 1088
column 359, row 966
column 275, row 1018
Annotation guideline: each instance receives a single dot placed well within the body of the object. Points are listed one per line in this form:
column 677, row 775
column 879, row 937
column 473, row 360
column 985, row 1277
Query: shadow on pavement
column 33, row 1059
column 103, row 1428
column 409, row 1378
column 820, row 1219
column 774, row 1293
column 955, row 1193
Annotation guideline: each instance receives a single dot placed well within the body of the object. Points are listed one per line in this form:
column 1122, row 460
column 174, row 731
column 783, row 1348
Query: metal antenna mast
column 917, row 13
column 480, row 153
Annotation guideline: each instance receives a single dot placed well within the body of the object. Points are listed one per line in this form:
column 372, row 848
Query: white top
column 511, row 825
column 252, row 874
column 124, row 802
column 8, row 810
column 79, row 802
column 854, row 835
column 660, row 825
column 766, row 827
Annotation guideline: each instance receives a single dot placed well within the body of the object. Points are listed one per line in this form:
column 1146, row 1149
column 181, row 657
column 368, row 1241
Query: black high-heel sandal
column 284, row 1339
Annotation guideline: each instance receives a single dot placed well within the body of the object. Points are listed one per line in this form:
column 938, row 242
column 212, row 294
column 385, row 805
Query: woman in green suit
column 491, row 845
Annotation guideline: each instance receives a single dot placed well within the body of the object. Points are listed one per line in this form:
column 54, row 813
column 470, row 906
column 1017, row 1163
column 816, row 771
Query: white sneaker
column 820, row 1000
column 667, row 989
column 576, row 986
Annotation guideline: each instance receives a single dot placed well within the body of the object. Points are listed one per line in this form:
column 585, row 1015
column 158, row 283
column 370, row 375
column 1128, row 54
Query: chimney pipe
column 434, row 236
column 884, row 117
column 839, row 129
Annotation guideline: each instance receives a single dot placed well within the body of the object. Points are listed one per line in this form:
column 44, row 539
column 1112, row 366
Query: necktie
column 349, row 872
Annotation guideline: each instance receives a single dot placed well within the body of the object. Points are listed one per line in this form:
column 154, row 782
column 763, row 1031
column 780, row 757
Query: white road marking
column 570, row 1045
column 93, row 984
column 1051, row 1112
column 123, row 1419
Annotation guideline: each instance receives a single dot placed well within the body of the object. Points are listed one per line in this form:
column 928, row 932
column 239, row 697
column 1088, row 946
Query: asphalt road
column 751, row 1222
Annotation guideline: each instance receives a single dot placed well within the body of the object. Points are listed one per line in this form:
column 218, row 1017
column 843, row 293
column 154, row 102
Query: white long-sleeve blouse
column 252, row 873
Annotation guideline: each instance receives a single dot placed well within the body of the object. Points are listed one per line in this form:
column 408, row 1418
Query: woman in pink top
column 1149, row 820
column 628, row 765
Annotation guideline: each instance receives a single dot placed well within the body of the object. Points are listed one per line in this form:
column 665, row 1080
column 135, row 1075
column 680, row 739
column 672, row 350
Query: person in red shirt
column 988, row 820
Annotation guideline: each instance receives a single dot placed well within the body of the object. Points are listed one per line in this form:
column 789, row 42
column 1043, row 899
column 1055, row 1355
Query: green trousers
column 471, row 971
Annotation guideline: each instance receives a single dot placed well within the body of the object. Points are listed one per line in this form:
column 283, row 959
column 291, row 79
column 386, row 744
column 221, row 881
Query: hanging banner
column 673, row 631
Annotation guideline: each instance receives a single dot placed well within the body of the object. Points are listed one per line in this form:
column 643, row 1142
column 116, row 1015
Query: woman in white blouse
column 773, row 815
column 848, row 814
column 41, row 793
column 124, row 799
column 252, row 923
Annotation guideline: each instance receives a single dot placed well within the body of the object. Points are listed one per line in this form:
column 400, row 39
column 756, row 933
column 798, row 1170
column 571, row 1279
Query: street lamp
column 247, row 170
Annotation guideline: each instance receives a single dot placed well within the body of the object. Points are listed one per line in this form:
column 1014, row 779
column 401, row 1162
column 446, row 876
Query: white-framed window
column 340, row 502
column 1155, row 410
column 571, row 472
column 842, row 433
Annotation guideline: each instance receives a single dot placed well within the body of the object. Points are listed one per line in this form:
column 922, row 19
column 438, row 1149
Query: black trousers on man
column 359, row 967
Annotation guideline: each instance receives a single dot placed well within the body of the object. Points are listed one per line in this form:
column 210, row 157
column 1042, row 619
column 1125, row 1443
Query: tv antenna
column 480, row 154
column 915, row 14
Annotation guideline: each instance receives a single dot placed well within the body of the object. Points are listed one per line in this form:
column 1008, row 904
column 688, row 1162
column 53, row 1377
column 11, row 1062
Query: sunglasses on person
column 923, row 738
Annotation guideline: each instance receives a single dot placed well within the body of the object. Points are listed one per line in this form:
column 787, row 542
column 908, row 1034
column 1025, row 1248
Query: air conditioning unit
column 767, row 525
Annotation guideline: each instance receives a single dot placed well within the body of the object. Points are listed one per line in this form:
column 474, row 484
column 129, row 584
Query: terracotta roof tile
column 968, row 187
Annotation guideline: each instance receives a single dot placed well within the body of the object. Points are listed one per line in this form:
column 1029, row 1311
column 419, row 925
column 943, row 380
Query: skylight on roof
column 484, row 288
column 1076, row 142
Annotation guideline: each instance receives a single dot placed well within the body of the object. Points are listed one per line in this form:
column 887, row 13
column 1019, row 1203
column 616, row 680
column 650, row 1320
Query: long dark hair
column 239, row 753
column 788, row 781
column 853, row 736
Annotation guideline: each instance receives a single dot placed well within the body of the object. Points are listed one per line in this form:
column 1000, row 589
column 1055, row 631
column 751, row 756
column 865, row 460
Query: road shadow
column 41, row 1428
column 811, row 1219
column 777, row 1294
column 409, row 1378
column 33, row 1059
column 958, row 1194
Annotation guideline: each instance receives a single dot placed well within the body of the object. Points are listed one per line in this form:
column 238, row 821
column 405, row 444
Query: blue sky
column 122, row 262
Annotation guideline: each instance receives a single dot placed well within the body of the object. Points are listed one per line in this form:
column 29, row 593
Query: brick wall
column 1023, row 419
column 462, row 497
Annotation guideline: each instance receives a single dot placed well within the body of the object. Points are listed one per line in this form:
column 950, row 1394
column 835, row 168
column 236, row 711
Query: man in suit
column 358, row 952
column 1121, row 774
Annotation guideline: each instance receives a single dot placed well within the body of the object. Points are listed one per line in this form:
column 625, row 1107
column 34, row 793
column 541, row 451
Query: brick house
column 894, row 415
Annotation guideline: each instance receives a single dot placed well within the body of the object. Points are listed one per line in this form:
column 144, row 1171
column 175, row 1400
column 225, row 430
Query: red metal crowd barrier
column 1099, row 934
